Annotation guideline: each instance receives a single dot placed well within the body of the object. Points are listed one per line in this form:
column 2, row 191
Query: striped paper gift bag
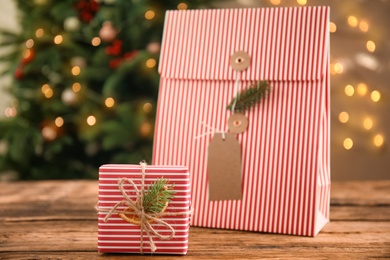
column 272, row 174
column 119, row 186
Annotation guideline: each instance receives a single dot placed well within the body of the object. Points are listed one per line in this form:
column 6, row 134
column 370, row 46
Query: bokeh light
column 378, row 140
column 367, row 123
column 59, row 121
column 375, row 96
column 150, row 14
column 58, row 39
column 109, row 102
column 352, row 21
column 91, row 120
column 370, row 45
column 349, row 90
column 96, row 41
column 182, row 6
column 332, row 27
column 151, row 63
column 348, row 143
column 362, row 89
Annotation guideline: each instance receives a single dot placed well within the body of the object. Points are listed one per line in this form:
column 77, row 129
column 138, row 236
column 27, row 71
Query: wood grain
column 57, row 220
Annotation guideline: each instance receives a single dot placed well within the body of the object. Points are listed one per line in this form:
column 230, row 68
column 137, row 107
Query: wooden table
column 57, row 220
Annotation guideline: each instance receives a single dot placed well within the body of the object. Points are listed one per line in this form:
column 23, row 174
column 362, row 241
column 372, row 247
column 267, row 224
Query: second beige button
column 240, row 60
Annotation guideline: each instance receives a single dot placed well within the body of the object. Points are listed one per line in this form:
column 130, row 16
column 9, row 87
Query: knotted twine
column 138, row 210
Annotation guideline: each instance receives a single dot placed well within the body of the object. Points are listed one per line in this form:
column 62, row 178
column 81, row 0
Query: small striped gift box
column 115, row 235
column 285, row 169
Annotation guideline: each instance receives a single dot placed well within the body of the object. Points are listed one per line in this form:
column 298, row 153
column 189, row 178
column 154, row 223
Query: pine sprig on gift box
column 249, row 97
column 157, row 196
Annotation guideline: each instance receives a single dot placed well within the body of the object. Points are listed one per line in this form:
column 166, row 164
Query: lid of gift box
column 282, row 43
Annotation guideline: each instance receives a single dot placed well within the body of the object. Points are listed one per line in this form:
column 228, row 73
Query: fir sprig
column 157, row 196
column 249, row 97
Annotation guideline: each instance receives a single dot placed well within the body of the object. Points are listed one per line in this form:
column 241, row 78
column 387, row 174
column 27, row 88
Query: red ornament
column 115, row 48
column 19, row 73
column 87, row 9
column 115, row 63
column 128, row 56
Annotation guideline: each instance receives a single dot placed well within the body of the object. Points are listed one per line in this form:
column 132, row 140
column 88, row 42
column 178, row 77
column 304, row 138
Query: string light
column 47, row 91
column 39, row 32
column 275, row 2
column 147, row 107
column 352, row 21
column 96, row 41
column 344, row 117
column 375, row 96
column 332, row 27
column 362, row 89
column 363, row 26
column 76, row 70
column 149, row 15
column 59, row 121
column 76, row 87
column 348, row 143
column 349, row 90
column 378, row 140
column 370, row 45
column 109, row 102
column 91, row 120
column 45, row 87
column 151, row 63
column 30, row 43
column 58, row 39
column 338, row 68
column 302, row 2
column 367, row 123
column 182, row 6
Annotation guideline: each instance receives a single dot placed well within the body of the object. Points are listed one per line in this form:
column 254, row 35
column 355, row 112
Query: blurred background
column 79, row 84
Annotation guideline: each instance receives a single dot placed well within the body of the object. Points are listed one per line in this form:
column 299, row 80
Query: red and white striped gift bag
column 285, row 149
column 119, row 236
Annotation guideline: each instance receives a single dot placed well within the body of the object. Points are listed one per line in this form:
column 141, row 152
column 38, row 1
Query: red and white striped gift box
column 119, row 236
column 285, row 149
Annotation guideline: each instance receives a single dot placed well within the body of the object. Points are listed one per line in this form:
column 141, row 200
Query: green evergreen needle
column 157, row 196
column 249, row 97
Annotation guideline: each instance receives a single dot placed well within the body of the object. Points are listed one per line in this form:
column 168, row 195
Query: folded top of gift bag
column 283, row 43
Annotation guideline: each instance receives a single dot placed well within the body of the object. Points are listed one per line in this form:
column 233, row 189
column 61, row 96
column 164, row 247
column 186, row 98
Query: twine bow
column 137, row 209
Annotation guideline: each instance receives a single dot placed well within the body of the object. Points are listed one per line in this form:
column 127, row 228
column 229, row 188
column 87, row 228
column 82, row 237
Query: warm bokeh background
column 360, row 76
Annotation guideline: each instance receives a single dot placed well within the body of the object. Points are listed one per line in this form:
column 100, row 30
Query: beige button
column 237, row 123
column 240, row 60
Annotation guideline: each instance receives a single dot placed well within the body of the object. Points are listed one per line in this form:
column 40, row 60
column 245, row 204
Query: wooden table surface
column 57, row 220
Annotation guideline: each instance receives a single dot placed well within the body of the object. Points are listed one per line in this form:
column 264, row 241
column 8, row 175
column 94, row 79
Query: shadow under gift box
column 285, row 148
column 118, row 236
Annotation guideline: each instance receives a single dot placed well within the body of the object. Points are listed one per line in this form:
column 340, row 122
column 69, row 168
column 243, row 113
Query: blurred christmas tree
column 85, row 85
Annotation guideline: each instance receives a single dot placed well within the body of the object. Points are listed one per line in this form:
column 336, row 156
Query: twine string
column 138, row 210
column 236, row 87
column 142, row 217
column 210, row 130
